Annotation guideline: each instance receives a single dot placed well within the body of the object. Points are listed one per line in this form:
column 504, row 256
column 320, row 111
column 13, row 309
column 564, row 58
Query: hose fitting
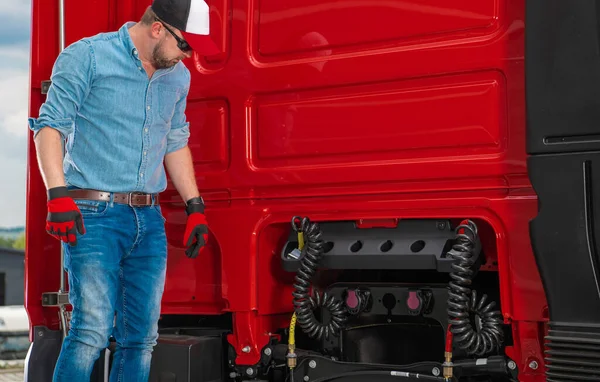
column 448, row 366
column 291, row 355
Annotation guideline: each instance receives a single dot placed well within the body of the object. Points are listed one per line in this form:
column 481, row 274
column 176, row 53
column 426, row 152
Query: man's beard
column 160, row 61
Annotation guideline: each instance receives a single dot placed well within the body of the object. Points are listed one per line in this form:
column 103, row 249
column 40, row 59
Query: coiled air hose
column 312, row 247
column 463, row 305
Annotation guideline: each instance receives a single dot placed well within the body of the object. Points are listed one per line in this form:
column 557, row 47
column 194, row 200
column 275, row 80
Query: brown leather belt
column 134, row 199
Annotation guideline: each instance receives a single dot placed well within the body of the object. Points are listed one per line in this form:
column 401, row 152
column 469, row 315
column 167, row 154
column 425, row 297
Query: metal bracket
column 46, row 86
column 61, row 300
column 55, row 299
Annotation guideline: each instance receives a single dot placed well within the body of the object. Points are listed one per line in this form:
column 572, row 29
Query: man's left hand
column 196, row 229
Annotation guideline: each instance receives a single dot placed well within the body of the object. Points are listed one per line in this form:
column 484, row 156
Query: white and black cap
column 191, row 17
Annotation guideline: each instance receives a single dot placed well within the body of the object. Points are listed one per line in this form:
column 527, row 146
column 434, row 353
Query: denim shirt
column 118, row 123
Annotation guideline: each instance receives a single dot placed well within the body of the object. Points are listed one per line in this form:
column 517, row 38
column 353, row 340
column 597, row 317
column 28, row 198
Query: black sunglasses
column 181, row 43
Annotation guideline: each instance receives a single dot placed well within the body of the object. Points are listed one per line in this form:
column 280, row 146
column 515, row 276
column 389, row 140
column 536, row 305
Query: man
column 117, row 103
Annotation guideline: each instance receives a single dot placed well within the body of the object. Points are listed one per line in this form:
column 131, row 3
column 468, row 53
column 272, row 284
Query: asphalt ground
column 11, row 371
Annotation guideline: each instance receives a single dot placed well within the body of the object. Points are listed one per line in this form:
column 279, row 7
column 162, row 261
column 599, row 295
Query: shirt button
column 145, row 152
column 148, row 107
column 139, row 67
column 141, row 174
column 146, row 130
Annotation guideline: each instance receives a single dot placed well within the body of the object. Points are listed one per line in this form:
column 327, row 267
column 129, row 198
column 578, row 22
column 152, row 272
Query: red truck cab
column 397, row 126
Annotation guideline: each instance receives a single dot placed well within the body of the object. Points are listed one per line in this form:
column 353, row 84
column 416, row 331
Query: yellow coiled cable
column 291, row 357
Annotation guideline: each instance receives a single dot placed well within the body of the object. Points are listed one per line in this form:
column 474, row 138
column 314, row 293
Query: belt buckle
column 130, row 199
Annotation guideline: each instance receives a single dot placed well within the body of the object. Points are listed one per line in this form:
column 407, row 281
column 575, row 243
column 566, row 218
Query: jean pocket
column 91, row 208
column 156, row 208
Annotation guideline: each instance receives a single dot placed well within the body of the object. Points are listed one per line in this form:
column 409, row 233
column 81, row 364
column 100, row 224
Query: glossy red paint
column 371, row 111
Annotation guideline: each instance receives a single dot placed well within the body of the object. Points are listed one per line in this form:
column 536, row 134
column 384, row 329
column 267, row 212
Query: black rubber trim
column 577, row 357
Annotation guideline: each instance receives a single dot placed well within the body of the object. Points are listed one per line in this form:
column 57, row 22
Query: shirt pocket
column 167, row 102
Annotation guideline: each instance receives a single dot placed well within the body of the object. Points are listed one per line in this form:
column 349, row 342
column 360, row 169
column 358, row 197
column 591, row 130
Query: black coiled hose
column 304, row 304
column 476, row 327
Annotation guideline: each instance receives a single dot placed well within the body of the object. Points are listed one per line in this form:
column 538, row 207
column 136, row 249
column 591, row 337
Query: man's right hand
column 64, row 219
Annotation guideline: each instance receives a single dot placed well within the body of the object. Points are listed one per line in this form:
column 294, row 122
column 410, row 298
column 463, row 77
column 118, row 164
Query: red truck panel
column 339, row 111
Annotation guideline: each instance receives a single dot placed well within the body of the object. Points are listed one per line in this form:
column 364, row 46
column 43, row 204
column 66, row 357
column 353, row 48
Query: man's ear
column 156, row 29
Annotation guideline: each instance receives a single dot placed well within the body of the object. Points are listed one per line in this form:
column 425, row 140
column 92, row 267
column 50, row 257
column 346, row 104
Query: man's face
column 166, row 53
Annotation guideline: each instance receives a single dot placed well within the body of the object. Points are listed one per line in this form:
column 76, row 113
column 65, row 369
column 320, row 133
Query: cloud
column 11, row 32
column 16, row 15
column 14, row 104
column 14, row 58
column 13, row 146
column 14, row 174
column 13, row 157
column 15, row 8
column 15, row 54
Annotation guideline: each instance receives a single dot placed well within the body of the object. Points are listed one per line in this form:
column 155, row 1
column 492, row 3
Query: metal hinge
column 46, row 86
column 54, row 299
column 61, row 300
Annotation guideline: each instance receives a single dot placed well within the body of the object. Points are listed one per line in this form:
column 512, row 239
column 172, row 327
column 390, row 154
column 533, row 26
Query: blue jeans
column 116, row 281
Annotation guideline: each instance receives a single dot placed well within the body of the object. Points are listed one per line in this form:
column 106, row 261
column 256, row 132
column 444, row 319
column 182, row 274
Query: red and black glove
column 196, row 229
column 64, row 219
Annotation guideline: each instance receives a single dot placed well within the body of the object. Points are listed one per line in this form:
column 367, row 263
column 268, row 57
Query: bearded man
column 113, row 120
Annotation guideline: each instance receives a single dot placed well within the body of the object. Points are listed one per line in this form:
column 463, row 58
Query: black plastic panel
column 562, row 63
column 566, row 233
column 563, row 138
column 412, row 244
column 186, row 358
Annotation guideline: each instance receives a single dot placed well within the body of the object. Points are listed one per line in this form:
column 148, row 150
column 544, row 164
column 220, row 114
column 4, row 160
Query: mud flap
column 43, row 354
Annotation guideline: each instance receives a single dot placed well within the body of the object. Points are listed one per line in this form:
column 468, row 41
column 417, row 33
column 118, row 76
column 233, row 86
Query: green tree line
column 17, row 243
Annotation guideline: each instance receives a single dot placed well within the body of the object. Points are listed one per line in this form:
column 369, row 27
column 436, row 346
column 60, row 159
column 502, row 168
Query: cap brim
column 202, row 44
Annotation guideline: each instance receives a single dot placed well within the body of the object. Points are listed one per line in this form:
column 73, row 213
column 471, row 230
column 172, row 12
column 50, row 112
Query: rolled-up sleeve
column 72, row 76
column 179, row 134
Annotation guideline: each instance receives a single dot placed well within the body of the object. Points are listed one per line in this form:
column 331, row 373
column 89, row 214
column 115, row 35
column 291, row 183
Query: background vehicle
column 14, row 328
column 389, row 123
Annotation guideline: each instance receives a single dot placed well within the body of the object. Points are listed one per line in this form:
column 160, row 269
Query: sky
column 14, row 104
